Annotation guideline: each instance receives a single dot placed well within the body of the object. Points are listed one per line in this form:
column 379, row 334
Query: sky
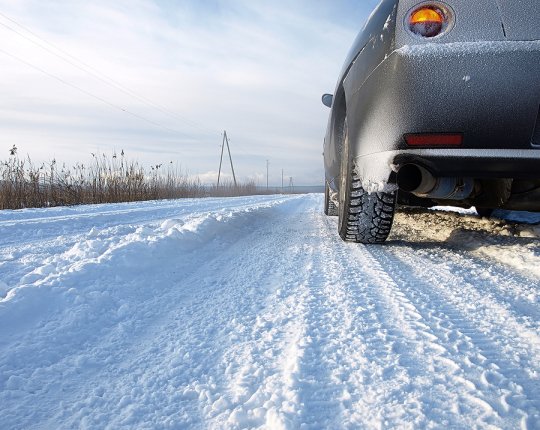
column 162, row 80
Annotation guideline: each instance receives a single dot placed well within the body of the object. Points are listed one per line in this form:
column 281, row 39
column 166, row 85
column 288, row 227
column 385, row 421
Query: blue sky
column 254, row 68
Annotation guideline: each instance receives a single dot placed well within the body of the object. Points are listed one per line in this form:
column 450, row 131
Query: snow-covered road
column 251, row 312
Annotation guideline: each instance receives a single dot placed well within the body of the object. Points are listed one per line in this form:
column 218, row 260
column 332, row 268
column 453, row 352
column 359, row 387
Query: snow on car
column 438, row 102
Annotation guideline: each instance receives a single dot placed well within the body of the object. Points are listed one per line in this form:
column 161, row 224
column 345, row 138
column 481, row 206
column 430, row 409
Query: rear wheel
column 363, row 217
column 330, row 207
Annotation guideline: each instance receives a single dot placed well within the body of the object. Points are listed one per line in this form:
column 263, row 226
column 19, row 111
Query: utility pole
column 221, row 159
column 267, row 164
column 281, row 181
column 291, row 185
column 226, row 142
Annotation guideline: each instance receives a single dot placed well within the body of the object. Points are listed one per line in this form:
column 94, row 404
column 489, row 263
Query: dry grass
column 107, row 179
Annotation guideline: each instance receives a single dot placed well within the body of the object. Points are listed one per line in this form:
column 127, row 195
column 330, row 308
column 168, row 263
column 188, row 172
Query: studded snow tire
column 363, row 217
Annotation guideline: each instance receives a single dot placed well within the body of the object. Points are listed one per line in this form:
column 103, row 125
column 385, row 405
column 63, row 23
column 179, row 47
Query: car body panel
column 380, row 23
column 520, row 19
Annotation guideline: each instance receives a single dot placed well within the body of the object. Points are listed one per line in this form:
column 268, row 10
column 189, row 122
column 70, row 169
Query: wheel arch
column 339, row 114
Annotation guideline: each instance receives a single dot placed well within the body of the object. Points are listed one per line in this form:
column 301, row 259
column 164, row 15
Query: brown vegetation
column 105, row 180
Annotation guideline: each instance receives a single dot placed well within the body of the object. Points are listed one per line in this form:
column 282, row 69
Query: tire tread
column 369, row 215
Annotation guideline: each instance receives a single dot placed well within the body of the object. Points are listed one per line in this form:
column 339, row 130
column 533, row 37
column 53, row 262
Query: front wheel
column 363, row 217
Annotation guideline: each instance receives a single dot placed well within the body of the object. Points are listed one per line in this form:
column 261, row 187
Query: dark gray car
column 437, row 103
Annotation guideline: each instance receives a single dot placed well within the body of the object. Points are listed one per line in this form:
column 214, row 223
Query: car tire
column 363, row 217
column 330, row 207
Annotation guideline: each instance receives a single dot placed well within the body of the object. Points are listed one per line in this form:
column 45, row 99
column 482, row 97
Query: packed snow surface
column 252, row 313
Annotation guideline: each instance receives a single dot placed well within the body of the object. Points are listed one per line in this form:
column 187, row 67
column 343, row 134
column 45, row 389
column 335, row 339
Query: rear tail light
column 429, row 20
column 434, row 139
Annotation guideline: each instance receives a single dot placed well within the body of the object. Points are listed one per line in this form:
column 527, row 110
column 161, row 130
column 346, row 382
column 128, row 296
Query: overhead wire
column 81, row 65
column 88, row 93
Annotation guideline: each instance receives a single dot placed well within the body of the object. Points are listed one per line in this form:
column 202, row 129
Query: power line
column 81, row 65
column 101, row 99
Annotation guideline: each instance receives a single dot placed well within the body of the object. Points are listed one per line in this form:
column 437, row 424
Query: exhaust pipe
column 419, row 181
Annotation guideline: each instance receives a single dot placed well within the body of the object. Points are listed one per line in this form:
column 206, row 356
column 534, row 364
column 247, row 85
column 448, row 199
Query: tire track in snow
column 348, row 375
column 261, row 368
column 372, row 359
column 396, row 375
column 309, row 347
column 488, row 349
column 434, row 372
column 332, row 352
column 518, row 295
column 465, row 252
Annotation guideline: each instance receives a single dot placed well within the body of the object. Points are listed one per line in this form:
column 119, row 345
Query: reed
column 106, row 179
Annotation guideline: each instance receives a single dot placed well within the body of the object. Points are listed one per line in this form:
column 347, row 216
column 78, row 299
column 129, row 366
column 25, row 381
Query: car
column 438, row 103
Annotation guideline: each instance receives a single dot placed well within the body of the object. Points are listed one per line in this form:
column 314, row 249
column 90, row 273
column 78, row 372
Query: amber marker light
column 427, row 21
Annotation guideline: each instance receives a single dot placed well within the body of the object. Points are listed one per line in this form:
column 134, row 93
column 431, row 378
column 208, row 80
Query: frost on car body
column 437, row 103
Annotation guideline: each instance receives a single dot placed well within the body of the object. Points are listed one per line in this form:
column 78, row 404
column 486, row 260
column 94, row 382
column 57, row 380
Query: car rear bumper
column 488, row 91
column 465, row 163
column 475, row 163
